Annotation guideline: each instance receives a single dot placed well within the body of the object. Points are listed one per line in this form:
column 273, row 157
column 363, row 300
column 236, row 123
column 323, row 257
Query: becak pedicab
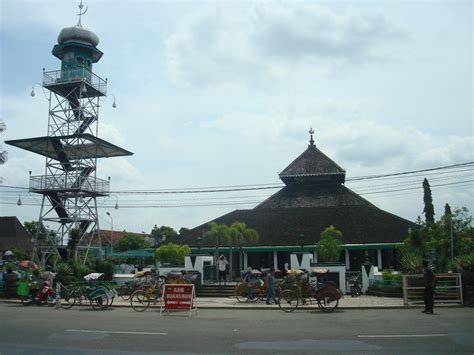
column 299, row 289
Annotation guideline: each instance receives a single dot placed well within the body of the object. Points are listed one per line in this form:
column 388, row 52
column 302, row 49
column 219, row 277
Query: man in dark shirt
column 429, row 280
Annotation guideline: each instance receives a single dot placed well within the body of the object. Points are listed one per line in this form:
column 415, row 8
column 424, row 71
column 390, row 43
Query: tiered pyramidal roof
column 314, row 197
column 313, row 180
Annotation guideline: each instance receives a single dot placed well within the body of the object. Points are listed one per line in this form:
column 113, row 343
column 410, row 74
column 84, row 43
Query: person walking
column 271, row 287
column 222, row 266
column 430, row 283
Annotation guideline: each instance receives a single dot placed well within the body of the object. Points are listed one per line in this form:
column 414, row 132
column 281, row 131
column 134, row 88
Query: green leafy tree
column 428, row 210
column 172, row 253
column 35, row 228
column 131, row 242
column 329, row 244
column 433, row 241
column 21, row 254
column 163, row 233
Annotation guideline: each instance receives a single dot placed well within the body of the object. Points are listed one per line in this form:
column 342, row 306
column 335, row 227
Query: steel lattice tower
column 70, row 186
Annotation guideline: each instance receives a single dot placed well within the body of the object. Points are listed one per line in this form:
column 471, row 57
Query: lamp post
column 112, row 231
column 198, row 240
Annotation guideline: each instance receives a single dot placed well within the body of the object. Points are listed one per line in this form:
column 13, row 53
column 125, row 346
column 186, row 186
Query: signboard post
column 179, row 297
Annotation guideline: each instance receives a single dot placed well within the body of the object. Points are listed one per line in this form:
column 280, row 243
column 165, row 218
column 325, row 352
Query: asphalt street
column 81, row 330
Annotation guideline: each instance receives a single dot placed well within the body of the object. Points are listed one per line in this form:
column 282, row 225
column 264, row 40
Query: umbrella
column 27, row 264
column 8, row 253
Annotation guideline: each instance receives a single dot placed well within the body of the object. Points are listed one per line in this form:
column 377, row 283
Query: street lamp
column 198, row 240
column 302, row 241
column 112, row 231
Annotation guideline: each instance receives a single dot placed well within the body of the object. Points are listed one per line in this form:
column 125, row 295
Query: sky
column 223, row 93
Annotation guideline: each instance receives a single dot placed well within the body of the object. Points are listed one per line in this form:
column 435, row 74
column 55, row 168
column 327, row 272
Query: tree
column 73, row 240
column 329, row 244
column 131, row 242
column 163, row 233
column 217, row 235
column 433, row 241
column 37, row 229
column 240, row 235
column 428, row 210
column 172, row 253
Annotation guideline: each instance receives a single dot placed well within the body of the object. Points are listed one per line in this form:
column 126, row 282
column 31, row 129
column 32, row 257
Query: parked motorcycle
column 39, row 295
column 355, row 287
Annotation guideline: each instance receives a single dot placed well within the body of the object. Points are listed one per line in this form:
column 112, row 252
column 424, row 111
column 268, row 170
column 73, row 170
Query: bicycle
column 140, row 300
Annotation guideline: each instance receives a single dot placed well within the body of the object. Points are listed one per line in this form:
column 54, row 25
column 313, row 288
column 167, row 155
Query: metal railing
column 74, row 75
column 448, row 289
column 69, row 183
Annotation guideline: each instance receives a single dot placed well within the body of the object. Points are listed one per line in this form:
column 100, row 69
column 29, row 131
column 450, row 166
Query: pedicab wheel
column 100, row 302
column 139, row 301
column 26, row 301
column 241, row 292
column 328, row 303
column 288, row 301
column 68, row 300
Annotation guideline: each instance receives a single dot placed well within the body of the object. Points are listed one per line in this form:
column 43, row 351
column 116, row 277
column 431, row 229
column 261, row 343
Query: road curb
column 264, row 308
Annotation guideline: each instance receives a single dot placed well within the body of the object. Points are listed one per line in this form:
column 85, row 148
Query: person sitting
column 10, row 279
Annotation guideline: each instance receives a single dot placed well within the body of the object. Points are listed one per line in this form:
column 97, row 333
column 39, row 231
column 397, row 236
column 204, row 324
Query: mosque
column 290, row 221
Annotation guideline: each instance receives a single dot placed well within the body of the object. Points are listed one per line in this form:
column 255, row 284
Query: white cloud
column 258, row 43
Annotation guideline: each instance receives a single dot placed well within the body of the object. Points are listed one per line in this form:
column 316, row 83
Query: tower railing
column 55, row 77
column 88, row 184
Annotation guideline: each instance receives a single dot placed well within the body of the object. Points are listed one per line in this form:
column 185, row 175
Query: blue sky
column 224, row 93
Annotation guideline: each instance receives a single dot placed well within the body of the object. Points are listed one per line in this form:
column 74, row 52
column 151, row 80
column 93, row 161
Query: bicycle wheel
column 100, row 302
column 328, row 302
column 139, row 301
column 288, row 301
column 51, row 300
column 241, row 292
column 124, row 292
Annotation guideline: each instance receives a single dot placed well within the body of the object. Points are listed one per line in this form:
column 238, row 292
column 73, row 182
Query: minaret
column 70, row 186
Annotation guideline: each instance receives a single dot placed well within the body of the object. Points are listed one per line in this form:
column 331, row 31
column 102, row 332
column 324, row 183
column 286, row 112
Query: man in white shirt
column 222, row 266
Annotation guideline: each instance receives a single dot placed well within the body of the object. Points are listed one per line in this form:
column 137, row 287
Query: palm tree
column 218, row 234
column 240, row 235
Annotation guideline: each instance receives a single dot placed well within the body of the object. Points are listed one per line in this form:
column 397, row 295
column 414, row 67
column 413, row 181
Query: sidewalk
column 347, row 302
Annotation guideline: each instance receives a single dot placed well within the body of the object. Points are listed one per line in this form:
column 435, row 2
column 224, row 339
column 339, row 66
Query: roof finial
column 311, row 141
column 81, row 6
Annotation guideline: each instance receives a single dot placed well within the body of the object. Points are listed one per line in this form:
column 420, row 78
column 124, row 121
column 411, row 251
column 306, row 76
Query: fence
column 448, row 289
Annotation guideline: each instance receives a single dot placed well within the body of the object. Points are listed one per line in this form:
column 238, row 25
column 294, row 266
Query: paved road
column 42, row 330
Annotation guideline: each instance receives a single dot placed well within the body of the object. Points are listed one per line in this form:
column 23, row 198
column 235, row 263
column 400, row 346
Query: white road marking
column 401, row 335
column 112, row 332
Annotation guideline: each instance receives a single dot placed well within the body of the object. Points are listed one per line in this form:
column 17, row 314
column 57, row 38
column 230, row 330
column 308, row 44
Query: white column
column 315, row 256
column 379, row 258
column 348, row 260
column 275, row 260
column 245, row 261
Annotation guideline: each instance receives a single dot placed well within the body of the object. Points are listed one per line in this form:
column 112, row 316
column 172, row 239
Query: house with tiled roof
column 13, row 235
column 314, row 197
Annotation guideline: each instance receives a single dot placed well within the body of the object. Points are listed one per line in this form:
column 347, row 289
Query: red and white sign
column 179, row 297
